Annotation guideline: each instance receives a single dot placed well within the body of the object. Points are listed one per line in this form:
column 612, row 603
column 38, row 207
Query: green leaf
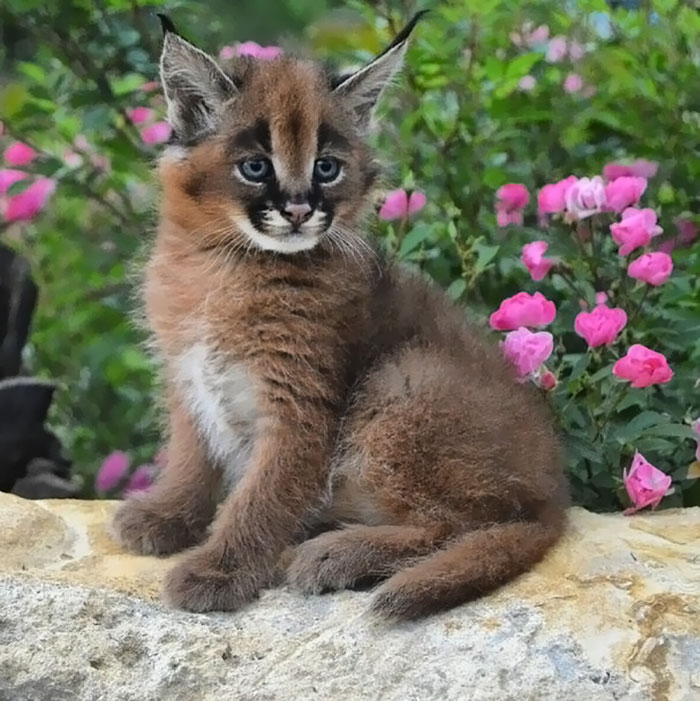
column 33, row 71
column 456, row 288
column 127, row 84
column 676, row 430
column 639, row 425
column 484, row 255
column 579, row 367
column 416, row 236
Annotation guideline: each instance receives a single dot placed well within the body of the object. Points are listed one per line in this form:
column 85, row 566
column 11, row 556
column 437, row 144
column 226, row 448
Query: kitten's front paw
column 328, row 562
column 199, row 584
column 140, row 526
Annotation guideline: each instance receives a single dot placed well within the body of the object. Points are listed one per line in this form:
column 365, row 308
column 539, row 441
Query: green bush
column 462, row 124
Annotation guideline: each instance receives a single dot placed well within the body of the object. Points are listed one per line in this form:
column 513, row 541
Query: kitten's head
column 273, row 153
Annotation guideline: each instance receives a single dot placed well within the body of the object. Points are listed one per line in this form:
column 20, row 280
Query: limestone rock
column 612, row 613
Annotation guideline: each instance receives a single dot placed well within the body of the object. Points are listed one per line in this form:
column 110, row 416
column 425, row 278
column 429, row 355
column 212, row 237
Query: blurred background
column 495, row 91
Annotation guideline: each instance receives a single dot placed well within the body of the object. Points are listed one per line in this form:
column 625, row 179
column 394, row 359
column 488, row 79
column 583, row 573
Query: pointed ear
column 194, row 85
column 361, row 90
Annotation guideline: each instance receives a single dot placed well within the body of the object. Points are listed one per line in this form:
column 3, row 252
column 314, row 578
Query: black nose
column 297, row 212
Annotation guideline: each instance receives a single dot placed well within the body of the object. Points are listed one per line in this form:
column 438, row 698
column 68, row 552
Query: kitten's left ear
column 194, row 85
column 362, row 89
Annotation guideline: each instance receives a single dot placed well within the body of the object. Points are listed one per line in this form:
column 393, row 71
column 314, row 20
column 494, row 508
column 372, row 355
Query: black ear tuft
column 407, row 30
column 167, row 24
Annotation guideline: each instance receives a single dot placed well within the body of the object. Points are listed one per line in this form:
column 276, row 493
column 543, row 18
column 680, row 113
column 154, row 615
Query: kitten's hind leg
column 348, row 557
column 175, row 512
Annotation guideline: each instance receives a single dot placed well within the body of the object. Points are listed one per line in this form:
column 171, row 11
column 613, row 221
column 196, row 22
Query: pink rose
column 624, row 192
column 573, row 83
column 527, row 350
column 252, row 49
column 696, row 428
column 576, row 51
column 523, row 309
column 72, row 159
column 548, row 381
column 637, row 228
column 140, row 480
column 552, row 198
column 150, row 86
column 19, row 154
column 600, row 326
column 156, row 133
column 640, row 168
column 645, row 484
column 556, row 51
column 400, row 205
column 538, row 35
column 8, row 177
column 652, row 268
column 27, row 204
column 585, row 197
column 601, row 298
column 138, row 115
column 643, row 367
column 527, row 83
column 534, row 260
column 512, row 199
column 112, row 470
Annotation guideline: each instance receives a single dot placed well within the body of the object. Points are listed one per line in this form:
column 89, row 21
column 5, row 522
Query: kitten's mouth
column 282, row 239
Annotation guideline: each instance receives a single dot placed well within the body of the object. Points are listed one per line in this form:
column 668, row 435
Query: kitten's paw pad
column 140, row 527
column 196, row 585
column 326, row 563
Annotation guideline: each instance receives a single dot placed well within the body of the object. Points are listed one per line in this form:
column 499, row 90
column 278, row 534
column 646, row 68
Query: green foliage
column 460, row 126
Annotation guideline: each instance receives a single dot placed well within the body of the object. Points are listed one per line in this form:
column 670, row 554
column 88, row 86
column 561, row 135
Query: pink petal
column 9, row 177
column 27, row 204
column 395, row 205
column 156, row 133
column 19, row 154
column 140, row 480
column 113, row 468
column 416, row 202
column 139, row 115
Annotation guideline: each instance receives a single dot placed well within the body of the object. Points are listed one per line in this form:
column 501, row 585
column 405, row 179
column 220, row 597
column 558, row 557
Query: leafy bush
column 495, row 92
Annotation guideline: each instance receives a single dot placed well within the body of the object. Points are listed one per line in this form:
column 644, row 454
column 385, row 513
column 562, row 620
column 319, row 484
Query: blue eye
column 326, row 169
column 255, row 169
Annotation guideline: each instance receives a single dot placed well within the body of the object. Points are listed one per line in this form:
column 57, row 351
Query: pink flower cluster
column 399, row 204
column 526, row 350
column 114, row 471
column 153, row 131
column 24, row 205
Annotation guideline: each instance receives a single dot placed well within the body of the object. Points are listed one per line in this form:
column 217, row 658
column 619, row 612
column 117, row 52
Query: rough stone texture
column 612, row 613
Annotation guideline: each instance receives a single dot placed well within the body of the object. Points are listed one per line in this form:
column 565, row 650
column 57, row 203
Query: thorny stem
column 638, row 308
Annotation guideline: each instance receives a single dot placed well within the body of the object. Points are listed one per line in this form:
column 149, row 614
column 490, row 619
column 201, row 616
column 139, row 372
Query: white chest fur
column 220, row 394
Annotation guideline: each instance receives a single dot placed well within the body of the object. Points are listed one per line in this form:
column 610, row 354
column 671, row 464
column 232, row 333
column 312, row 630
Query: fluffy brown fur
column 325, row 385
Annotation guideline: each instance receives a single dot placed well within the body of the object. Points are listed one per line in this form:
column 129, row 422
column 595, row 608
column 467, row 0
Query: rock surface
column 612, row 613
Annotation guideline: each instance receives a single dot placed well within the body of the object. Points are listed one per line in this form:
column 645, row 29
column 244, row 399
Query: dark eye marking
column 328, row 137
column 255, row 138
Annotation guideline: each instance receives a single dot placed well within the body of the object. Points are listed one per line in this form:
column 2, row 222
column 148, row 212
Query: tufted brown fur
column 379, row 412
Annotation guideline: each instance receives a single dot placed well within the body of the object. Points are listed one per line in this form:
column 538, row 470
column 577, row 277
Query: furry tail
column 469, row 567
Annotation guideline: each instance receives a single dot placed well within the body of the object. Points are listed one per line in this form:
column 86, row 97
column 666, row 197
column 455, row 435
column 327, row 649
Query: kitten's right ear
column 194, row 85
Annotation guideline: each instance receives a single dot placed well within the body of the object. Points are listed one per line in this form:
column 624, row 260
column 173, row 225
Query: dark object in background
column 32, row 463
